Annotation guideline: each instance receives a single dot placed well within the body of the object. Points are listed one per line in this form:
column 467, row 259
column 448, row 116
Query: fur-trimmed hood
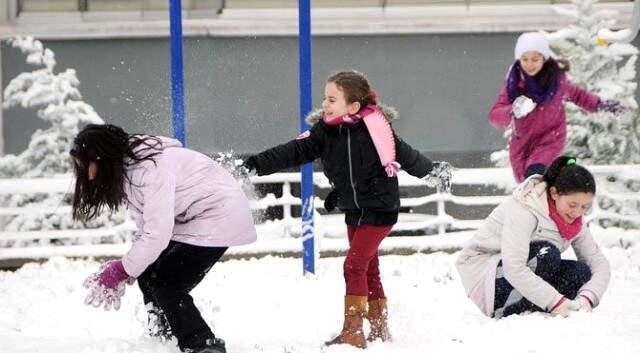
column 533, row 194
column 389, row 112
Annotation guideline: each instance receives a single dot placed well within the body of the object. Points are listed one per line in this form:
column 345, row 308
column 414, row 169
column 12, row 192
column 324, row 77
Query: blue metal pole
column 177, row 74
column 304, row 39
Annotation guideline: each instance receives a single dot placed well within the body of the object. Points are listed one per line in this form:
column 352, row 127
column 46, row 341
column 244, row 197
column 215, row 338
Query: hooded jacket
column 360, row 185
column 539, row 137
column 184, row 196
column 506, row 235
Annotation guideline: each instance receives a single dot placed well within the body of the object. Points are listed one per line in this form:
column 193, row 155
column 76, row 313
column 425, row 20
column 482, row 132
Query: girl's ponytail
column 569, row 177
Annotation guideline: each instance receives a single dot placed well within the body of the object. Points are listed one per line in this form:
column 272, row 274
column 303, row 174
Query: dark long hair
column 569, row 177
column 550, row 71
column 107, row 146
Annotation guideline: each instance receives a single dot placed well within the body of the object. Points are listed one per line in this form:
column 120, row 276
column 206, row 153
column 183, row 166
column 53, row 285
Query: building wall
column 242, row 92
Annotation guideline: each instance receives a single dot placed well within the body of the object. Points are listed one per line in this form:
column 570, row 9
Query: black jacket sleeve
column 412, row 161
column 290, row 154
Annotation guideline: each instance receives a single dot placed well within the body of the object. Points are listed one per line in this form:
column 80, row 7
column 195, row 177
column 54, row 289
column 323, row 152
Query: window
column 112, row 5
column 137, row 5
column 47, row 5
column 216, row 5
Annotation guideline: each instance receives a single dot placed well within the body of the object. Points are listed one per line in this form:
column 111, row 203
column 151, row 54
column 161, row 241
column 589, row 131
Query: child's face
column 531, row 62
column 571, row 206
column 335, row 103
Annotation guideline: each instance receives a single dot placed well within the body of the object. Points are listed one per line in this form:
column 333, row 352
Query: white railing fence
column 500, row 180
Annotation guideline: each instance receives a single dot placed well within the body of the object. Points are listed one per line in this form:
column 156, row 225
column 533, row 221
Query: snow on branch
column 58, row 101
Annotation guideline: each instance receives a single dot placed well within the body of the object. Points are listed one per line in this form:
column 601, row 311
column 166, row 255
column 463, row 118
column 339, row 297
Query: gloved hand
column 522, row 106
column 584, row 302
column 107, row 285
column 564, row 307
column 248, row 167
column 440, row 176
column 330, row 202
column 612, row 106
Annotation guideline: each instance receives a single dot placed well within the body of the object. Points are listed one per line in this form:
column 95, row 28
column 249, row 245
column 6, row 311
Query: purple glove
column 611, row 106
column 107, row 285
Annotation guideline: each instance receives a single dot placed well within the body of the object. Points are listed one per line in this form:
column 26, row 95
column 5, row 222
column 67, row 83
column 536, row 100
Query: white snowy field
column 265, row 305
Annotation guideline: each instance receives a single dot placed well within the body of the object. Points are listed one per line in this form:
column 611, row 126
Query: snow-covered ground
column 265, row 305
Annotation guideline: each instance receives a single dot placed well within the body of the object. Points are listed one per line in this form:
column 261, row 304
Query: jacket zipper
column 353, row 187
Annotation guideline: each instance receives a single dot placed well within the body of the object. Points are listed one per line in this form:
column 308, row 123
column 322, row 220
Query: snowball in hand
column 522, row 106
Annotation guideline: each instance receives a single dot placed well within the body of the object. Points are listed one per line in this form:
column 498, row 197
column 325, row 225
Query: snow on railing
column 499, row 179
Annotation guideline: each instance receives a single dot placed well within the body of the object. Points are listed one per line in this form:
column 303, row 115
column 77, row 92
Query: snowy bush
column 609, row 71
column 58, row 102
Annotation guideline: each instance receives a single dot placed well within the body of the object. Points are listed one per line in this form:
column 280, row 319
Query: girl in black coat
column 360, row 156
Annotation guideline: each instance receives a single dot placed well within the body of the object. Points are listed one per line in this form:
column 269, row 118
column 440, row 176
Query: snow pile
column 266, row 305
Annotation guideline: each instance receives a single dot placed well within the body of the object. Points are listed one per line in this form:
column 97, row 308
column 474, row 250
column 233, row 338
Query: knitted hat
column 533, row 41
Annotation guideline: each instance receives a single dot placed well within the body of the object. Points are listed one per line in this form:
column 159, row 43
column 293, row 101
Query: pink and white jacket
column 539, row 137
column 185, row 197
column 506, row 235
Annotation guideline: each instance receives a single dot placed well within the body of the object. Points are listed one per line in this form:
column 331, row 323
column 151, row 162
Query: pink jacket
column 540, row 136
column 185, row 197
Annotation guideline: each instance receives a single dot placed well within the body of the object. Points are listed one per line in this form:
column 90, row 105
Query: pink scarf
column 567, row 230
column 380, row 131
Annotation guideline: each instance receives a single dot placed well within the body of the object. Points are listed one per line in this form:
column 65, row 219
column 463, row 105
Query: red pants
column 361, row 272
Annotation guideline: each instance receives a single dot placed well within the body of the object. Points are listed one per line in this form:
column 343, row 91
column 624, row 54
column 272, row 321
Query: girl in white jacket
column 513, row 265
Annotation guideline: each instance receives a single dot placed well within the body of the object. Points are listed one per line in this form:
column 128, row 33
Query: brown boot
column 379, row 319
column 355, row 308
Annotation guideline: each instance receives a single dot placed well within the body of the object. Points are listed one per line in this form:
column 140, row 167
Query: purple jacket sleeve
column 500, row 113
column 156, row 219
column 581, row 97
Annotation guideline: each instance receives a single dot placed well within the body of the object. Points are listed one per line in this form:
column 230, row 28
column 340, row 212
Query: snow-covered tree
column 59, row 103
column 608, row 70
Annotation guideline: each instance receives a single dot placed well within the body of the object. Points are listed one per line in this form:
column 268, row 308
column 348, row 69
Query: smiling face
column 531, row 62
column 335, row 103
column 571, row 206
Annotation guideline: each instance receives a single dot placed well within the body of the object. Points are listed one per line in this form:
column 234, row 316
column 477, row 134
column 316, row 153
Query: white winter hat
column 533, row 41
